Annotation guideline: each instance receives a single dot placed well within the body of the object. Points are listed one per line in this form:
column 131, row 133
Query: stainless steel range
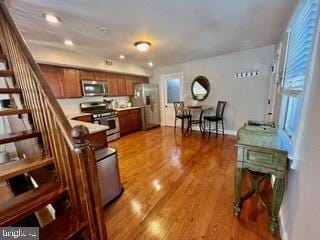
column 103, row 115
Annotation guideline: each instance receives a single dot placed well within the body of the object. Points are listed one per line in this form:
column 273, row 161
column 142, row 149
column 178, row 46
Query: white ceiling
column 179, row 30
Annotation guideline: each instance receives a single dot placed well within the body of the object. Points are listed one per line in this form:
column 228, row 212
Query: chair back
column 220, row 108
column 178, row 108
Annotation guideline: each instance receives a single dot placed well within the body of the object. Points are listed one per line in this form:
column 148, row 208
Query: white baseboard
column 282, row 228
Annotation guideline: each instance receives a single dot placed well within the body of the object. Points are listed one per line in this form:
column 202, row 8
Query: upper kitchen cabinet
column 112, row 84
column 121, row 81
column 72, row 83
column 54, row 77
column 87, row 75
column 129, row 86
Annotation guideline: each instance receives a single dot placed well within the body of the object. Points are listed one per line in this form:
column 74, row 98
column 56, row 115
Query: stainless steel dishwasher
column 108, row 173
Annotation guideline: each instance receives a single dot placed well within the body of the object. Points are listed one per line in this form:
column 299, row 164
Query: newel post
column 88, row 183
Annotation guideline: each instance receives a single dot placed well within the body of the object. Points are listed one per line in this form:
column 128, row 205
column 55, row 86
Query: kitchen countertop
column 74, row 115
column 93, row 128
column 126, row 108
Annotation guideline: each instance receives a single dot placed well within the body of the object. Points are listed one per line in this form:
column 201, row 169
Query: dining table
column 192, row 108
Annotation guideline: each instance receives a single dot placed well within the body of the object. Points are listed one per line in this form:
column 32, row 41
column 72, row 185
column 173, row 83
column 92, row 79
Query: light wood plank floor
column 180, row 188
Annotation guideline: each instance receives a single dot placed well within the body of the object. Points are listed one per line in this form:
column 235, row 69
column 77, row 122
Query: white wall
column 246, row 97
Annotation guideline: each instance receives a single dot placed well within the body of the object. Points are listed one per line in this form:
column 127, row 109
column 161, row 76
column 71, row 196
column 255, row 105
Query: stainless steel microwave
column 94, row 88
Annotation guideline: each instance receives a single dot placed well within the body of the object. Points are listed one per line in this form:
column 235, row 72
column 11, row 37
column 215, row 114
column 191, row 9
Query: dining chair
column 217, row 118
column 181, row 114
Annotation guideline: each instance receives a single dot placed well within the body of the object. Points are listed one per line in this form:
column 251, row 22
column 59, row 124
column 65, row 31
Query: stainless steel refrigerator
column 146, row 96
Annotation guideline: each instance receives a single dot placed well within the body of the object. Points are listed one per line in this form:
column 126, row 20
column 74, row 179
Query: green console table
column 261, row 153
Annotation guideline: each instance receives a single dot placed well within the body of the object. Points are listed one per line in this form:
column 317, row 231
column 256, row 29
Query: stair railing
column 72, row 153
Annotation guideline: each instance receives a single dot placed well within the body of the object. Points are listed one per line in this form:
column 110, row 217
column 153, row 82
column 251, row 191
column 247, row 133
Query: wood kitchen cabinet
column 72, row 83
column 130, row 121
column 84, row 118
column 121, row 81
column 129, row 86
column 55, row 79
column 66, row 82
column 124, row 122
column 87, row 75
column 135, row 120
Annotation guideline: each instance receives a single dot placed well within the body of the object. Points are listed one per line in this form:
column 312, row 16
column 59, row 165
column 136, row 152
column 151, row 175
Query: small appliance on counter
column 103, row 115
column 108, row 173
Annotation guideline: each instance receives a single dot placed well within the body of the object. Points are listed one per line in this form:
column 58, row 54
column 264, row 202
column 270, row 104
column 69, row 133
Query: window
column 173, row 90
column 172, row 85
column 300, row 44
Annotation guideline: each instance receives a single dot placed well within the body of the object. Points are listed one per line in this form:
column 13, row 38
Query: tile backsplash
column 70, row 106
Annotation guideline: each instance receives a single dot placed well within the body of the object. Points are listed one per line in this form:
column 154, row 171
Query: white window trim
column 296, row 145
column 164, row 85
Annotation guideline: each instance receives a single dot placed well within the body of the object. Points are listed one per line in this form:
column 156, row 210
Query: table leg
column 278, row 192
column 238, row 177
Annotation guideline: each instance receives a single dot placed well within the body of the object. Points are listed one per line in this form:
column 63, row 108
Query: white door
column 273, row 86
column 172, row 86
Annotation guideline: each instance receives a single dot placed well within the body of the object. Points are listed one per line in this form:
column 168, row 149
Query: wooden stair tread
column 15, row 168
column 10, row 111
column 18, row 136
column 3, row 57
column 67, row 226
column 10, row 90
column 26, row 203
column 6, row 73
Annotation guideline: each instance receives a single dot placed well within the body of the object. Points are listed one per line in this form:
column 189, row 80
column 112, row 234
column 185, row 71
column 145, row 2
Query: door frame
column 164, row 89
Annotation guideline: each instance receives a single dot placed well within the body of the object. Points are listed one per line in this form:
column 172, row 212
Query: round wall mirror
column 200, row 88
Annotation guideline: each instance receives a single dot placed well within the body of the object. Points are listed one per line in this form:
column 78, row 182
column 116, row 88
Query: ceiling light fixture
column 104, row 29
column 68, row 42
column 51, row 18
column 150, row 64
column 122, row 56
column 142, row 46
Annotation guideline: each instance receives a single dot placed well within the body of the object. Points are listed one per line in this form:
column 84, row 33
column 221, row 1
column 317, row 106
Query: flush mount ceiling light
column 68, row 42
column 122, row 56
column 142, row 46
column 150, row 64
column 51, row 18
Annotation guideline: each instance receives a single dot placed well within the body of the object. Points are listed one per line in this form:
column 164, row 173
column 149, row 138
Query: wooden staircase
column 15, row 209
column 72, row 185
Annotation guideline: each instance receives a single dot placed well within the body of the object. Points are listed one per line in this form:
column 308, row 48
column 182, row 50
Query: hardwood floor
column 180, row 188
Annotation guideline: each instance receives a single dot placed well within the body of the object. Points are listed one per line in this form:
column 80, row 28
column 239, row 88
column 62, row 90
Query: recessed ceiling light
column 142, row 46
column 104, row 29
column 51, row 18
column 150, row 64
column 122, row 56
column 68, row 42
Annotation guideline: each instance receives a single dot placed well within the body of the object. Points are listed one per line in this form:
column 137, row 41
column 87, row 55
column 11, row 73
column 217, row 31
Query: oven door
column 94, row 88
column 112, row 123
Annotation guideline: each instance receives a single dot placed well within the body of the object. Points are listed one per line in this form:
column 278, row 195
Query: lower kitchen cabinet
column 84, row 118
column 130, row 121
column 135, row 120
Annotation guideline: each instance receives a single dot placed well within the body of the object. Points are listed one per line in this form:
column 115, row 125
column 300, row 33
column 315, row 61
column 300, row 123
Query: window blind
column 301, row 30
